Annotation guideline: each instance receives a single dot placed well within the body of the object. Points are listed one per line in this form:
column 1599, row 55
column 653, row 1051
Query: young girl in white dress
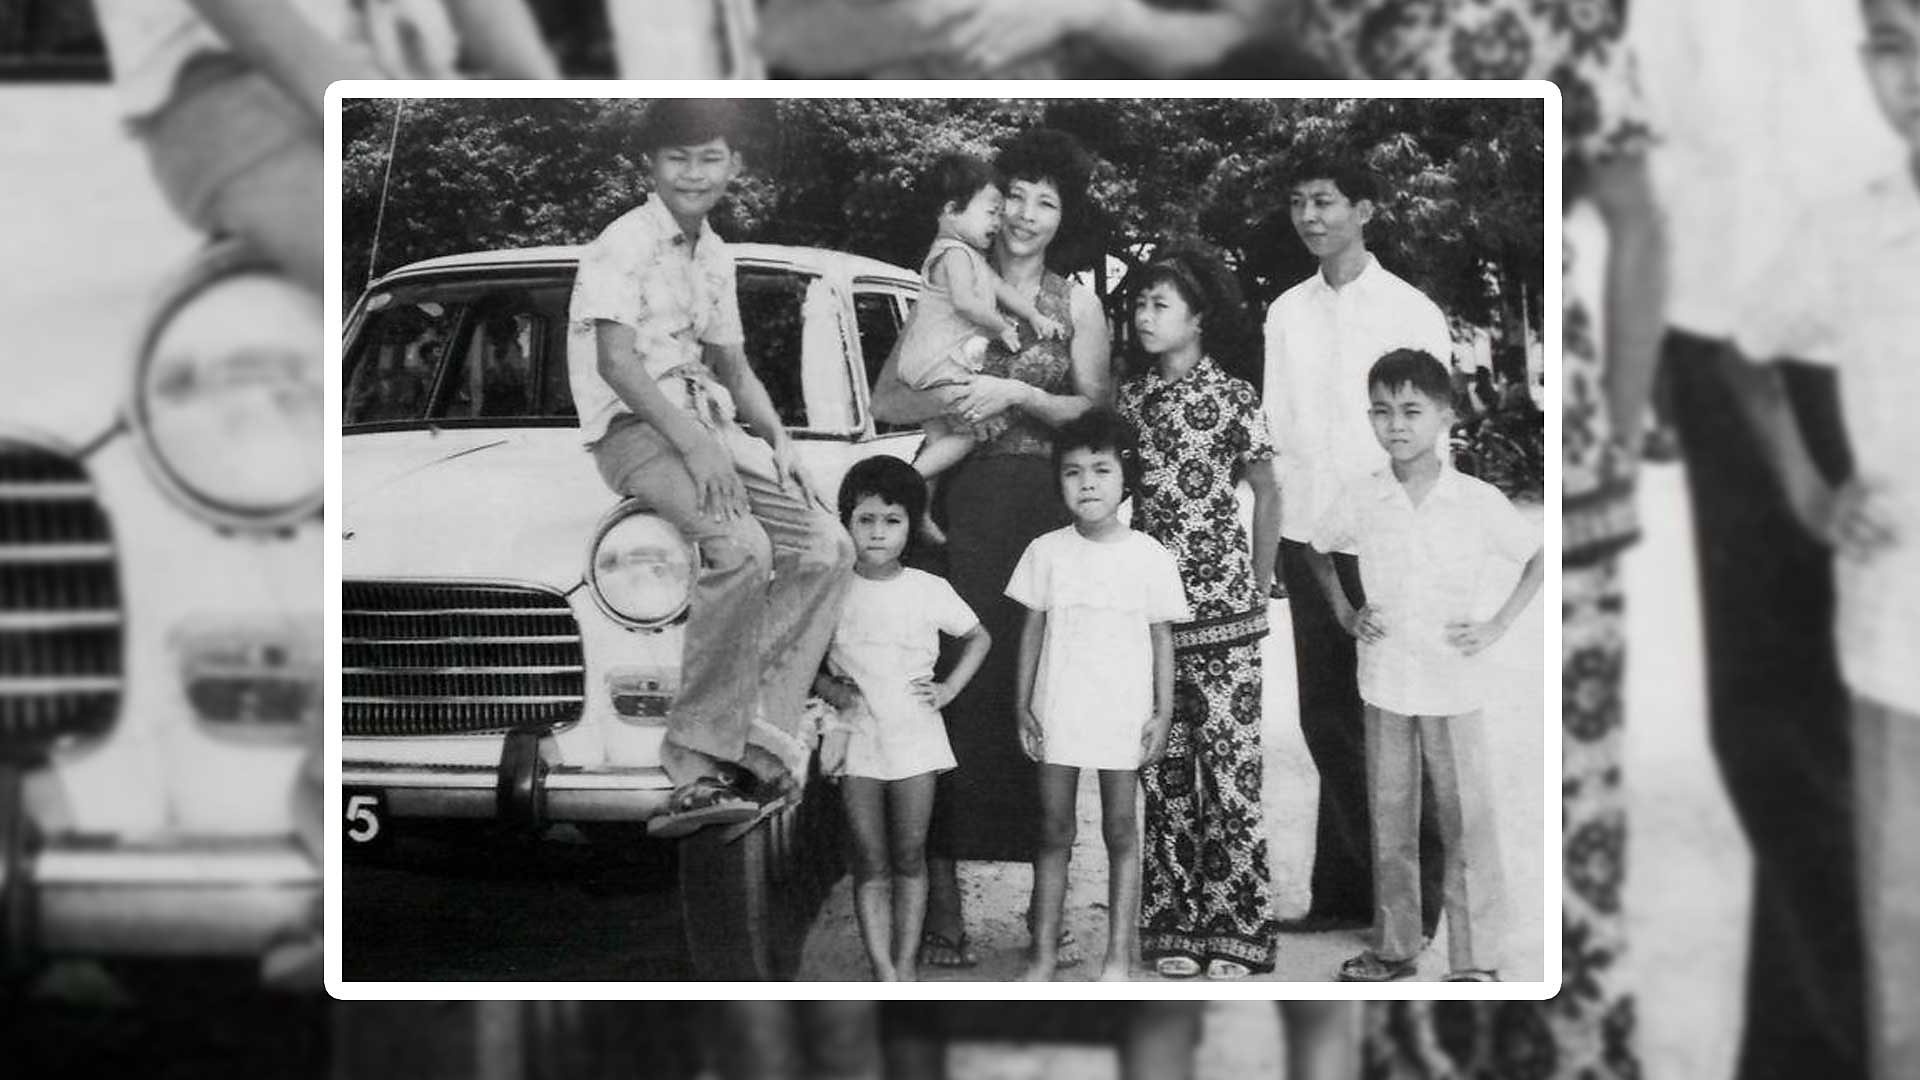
column 881, row 681
column 1095, row 686
column 945, row 341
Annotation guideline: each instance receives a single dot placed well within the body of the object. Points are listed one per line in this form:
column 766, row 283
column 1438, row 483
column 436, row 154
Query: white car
column 512, row 629
column 159, row 629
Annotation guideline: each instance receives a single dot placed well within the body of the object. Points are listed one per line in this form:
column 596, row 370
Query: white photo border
column 1141, row 990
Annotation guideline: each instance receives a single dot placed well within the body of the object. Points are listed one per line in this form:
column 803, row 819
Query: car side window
column 392, row 378
column 880, row 314
column 773, row 312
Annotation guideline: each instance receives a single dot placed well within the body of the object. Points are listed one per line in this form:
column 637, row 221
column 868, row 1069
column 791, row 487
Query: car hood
column 516, row 504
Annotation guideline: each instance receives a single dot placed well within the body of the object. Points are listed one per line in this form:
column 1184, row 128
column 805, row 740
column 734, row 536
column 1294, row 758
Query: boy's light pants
column 748, row 644
column 1453, row 751
column 1886, row 756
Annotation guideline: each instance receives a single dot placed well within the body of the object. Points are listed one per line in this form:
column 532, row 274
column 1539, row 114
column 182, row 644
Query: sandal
column 1370, row 966
column 1066, row 952
column 940, row 951
column 1472, row 975
column 699, row 803
column 1227, row 970
column 1176, row 967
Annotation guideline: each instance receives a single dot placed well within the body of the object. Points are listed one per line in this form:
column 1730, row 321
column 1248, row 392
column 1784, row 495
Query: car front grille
column 60, row 612
column 427, row 658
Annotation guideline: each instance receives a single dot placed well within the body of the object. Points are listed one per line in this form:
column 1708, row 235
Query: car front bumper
column 169, row 896
column 526, row 787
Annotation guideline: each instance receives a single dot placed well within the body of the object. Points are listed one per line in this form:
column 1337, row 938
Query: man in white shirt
column 1322, row 337
column 1762, row 114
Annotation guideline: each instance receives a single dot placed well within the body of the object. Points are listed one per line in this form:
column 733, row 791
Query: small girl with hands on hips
column 946, row 339
column 893, row 741
column 1095, row 685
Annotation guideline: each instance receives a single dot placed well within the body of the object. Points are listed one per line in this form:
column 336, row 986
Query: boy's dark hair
column 1353, row 178
column 690, row 122
column 954, row 179
column 1200, row 275
column 1417, row 368
column 1102, row 429
column 891, row 481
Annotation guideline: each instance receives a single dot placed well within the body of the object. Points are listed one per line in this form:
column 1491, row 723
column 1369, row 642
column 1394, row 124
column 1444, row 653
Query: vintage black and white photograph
column 944, row 538
column 159, row 886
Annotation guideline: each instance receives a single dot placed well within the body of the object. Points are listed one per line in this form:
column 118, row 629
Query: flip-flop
column 1227, row 970
column 940, row 951
column 699, row 803
column 1370, row 966
column 1176, row 967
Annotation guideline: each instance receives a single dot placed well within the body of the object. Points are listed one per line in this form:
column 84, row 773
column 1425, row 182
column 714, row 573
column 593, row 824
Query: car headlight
column 641, row 569
column 227, row 399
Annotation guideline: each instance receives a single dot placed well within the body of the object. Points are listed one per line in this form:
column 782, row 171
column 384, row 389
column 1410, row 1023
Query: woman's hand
column 1473, row 637
column 991, row 34
column 981, row 397
column 1154, row 738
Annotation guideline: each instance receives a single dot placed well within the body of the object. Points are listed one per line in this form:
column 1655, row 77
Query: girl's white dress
column 1093, row 692
column 888, row 636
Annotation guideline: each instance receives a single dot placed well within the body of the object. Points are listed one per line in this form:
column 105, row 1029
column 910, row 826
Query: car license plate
column 366, row 814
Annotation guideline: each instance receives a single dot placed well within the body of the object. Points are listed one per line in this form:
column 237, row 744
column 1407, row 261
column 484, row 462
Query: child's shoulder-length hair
column 1098, row 430
column 891, row 481
column 1199, row 273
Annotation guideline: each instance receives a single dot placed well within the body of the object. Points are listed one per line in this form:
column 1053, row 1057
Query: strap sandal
column 941, row 951
column 699, row 803
column 1227, row 970
column 1371, row 967
column 1176, row 967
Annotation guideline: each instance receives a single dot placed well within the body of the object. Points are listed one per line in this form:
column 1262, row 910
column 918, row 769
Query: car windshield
column 485, row 351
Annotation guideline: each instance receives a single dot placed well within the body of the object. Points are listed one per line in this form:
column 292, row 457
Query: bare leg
column 945, row 913
column 1058, row 785
column 1323, row 1039
column 865, row 802
column 1159, row 1042
column 910, row 806
column 942, row 449
column 1120, row 829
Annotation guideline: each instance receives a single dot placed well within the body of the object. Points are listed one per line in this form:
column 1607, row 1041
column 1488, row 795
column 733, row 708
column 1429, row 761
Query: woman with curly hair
column 1206, row 900
column 1003, row 496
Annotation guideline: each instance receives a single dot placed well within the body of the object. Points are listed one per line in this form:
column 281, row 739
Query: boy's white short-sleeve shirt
column 1093, row 692
column 1849, row 297
column 676, row 295
column 1422, row 568
column 1320, row 344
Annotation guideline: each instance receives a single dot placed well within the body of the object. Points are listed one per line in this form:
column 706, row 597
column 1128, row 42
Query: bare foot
column 1116, row 972
column 1039, row 969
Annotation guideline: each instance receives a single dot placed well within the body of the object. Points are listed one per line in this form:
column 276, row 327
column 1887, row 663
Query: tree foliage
column 1462, row 214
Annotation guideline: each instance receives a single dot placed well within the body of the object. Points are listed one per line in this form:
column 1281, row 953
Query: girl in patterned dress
column 1207, row 900
column 1587, row 1030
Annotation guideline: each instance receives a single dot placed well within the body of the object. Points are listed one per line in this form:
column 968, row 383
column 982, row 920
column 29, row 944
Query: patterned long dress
column 1205, row 888
column 1587, row 1031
